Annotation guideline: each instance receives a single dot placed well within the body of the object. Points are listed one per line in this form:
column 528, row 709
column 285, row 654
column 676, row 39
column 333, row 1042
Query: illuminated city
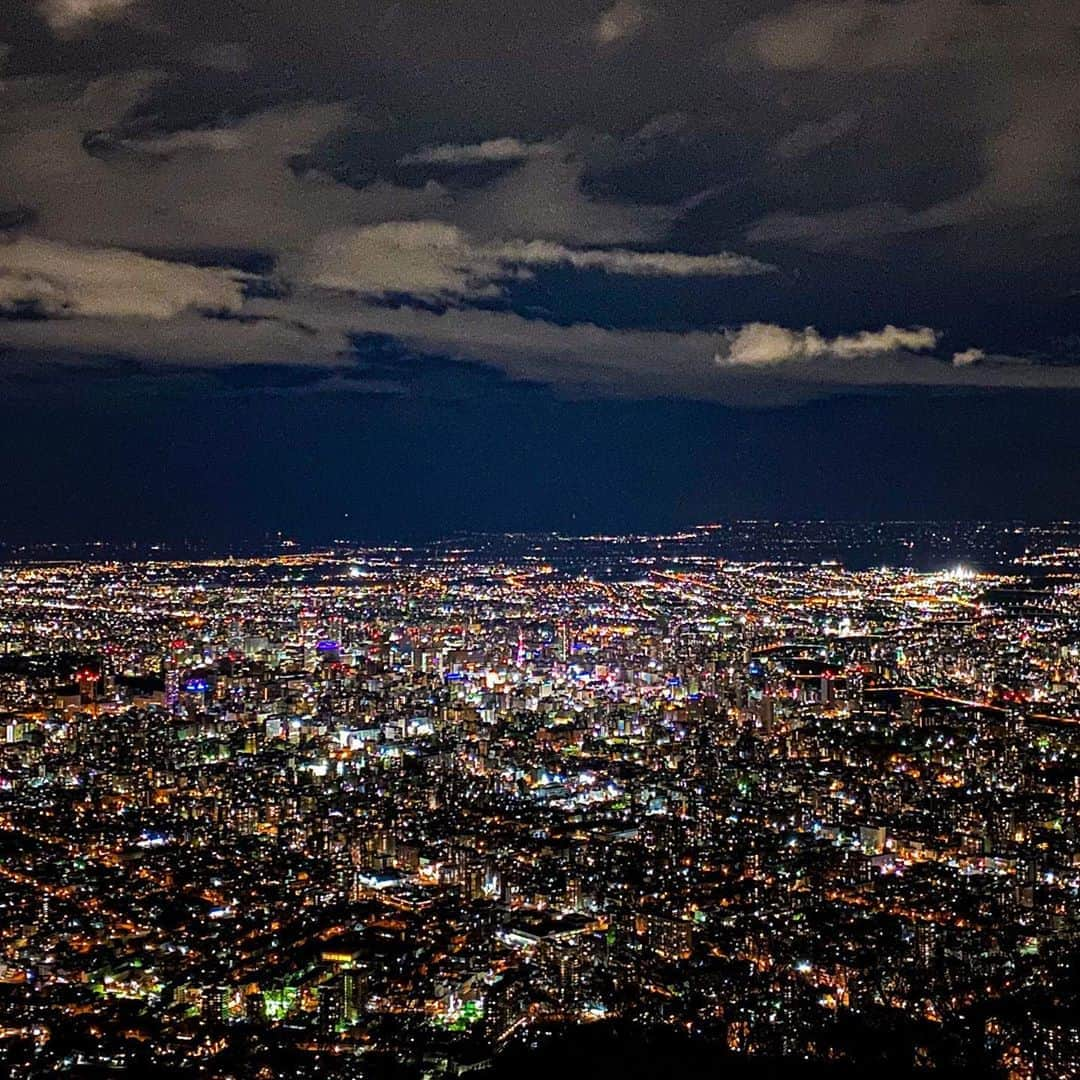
column 421, row 810
column 540, row 541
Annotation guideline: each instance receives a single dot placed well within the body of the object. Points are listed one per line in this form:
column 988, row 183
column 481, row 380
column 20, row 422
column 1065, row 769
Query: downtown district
column 412, row 812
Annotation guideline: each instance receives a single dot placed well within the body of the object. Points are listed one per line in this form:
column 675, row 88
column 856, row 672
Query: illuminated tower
column 308, row 625
column 171, row 666
column 563, row 647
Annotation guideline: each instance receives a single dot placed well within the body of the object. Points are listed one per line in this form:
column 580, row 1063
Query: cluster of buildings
column 343, row 812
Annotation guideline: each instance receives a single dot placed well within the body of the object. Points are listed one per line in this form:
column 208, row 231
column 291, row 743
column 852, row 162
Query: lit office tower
column 563, row 643
column 505, row 1004
column 1056, row 1038
column 341, row 999
column 563, row 968
column 308, row 626
column 172, row 664
column 927, row 944
column 335, row 628
column 255, row 1007
column 331, row 1006
column 213, row 1004
column 670, row 937
column 353, row 993
column 573, row 894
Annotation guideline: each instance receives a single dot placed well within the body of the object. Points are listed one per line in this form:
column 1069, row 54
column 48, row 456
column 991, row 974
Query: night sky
column 374, row 270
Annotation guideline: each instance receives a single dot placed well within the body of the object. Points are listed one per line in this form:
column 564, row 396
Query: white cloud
column 426, row 258
column 968, row 357
column 764, row 344
column 625, row 20
column 632, row 263
column 432, row 258
column 206, row 140
column 62, row 280
column 889, row 339
column 507, row 148
column 65, row 16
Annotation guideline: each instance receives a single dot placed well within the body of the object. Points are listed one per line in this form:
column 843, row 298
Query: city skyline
column 518, row 804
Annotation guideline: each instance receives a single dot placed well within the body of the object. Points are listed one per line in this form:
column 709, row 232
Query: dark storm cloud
column 224, row 184
column 1000, row 77
column 476, row 64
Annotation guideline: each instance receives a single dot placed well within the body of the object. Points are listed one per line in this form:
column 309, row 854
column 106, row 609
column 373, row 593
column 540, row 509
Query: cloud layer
column 68, row 16
column 434, row 259
column 66, row 281
column 761, row 344
column 628, row 197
